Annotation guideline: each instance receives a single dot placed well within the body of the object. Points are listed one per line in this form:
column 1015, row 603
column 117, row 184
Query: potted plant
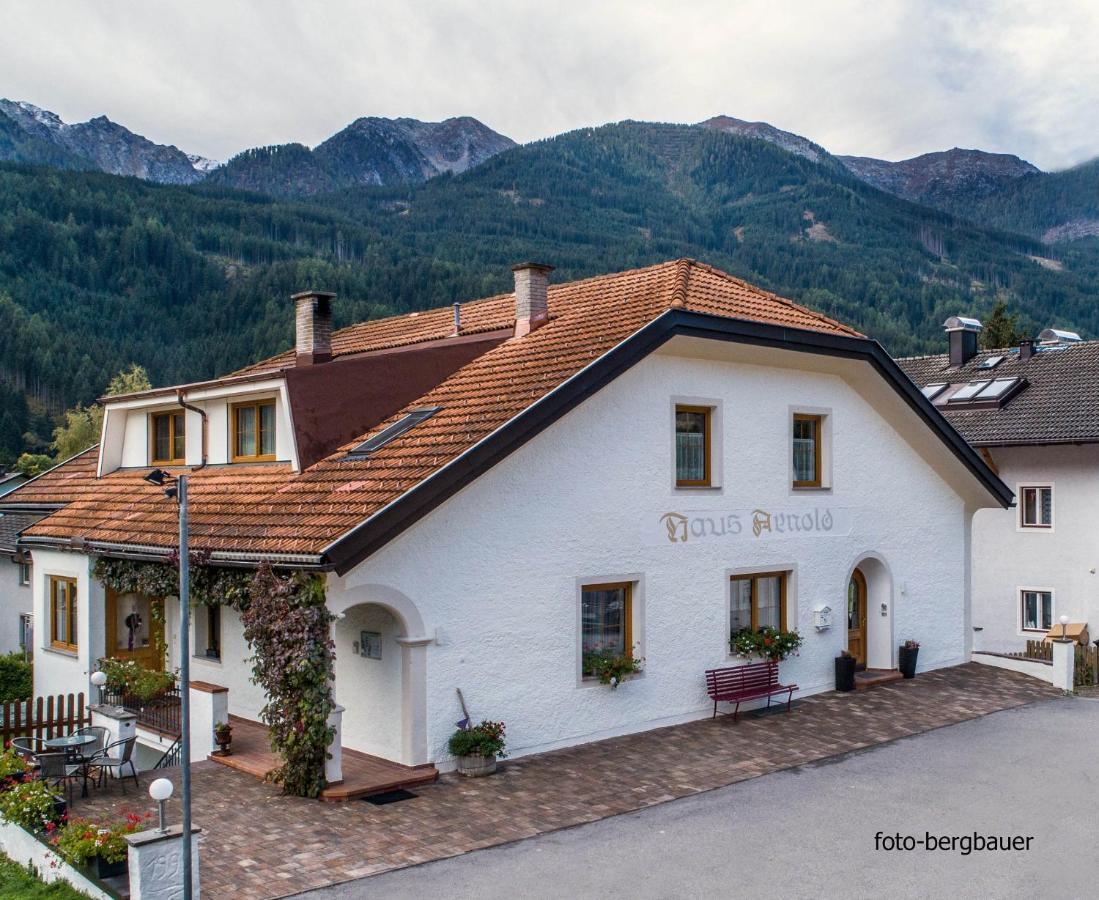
column 88, row 843
column 768, row 643
column 845, row 672
column 909, row 651
column 610, row 666
column 13, row 769
column 478, row 748
column 223, row 737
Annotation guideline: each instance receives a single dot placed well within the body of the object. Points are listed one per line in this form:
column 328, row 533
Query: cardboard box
column 1074, row 631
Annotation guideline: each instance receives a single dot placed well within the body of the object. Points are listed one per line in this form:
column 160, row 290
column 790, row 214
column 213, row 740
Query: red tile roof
column 269, row 509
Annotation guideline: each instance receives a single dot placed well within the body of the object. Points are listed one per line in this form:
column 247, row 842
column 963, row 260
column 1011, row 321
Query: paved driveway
column 807, row 832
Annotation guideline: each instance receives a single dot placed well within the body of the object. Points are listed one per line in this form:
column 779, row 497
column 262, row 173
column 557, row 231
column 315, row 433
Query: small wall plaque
column 370, row 644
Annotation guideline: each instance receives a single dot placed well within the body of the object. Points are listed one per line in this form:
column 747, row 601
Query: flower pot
column 907, row 662
column 60, row 807
column 223, row 738
column 104, row 869
column 845, row 673
column 476, row 766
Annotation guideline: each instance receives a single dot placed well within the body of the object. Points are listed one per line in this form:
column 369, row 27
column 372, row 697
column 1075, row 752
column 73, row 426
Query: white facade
column 16, row 602
column 483, row 593
column 1061, row 559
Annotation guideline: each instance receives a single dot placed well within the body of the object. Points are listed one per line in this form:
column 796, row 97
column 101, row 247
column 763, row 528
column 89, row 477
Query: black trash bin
column 845, row 673
column 907, row 661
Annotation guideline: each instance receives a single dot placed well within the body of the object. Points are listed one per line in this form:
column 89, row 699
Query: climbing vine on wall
column 210, row 585
column 288, row 626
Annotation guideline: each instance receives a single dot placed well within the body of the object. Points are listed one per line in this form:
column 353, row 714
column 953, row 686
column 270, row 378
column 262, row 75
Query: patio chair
column 28, row 747
column 116, row 756
column 57, row 769
column 101, row 734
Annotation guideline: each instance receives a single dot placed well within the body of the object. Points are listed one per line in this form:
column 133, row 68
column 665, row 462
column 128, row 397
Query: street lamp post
column 179, row 491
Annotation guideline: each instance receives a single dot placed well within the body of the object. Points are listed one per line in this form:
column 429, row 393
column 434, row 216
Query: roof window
column 997, row 389
column 392, row 432
column 991, row 363
column 969, row 391
column 931, row 391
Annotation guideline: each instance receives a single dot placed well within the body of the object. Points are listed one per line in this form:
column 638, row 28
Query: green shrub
column 486, row 739
column 30, row 805
column 16, row 682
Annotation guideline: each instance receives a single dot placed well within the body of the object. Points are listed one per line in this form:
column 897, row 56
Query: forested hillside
column 97, row 271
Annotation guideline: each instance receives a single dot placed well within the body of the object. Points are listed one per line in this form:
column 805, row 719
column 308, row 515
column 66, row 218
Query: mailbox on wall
column 822, row 618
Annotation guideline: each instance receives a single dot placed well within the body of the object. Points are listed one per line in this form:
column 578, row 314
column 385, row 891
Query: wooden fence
column 1086, row 665
column 44, row 717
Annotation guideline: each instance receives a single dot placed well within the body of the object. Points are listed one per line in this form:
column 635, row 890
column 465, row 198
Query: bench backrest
column 751, row 676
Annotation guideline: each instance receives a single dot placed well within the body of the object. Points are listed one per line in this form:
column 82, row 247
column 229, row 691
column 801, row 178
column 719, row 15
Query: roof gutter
column 386, row 523
column 150, row 553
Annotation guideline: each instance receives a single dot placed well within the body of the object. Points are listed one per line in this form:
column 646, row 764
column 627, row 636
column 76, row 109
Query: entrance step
column 869, row 678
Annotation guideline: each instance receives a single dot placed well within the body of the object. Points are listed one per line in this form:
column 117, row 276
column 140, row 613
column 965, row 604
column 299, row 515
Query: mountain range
column 190, row 277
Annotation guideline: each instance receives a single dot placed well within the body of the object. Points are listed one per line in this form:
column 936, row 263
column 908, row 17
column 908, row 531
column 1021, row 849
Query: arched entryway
column 869, row 609
column 381, row 675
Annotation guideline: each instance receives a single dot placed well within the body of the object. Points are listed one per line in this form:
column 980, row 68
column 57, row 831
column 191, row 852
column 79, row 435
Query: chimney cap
column 962, row 323
column 302, row 295
column 537, row 266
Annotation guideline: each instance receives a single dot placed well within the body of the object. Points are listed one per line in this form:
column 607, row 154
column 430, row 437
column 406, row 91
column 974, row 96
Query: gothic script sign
column 753, row 524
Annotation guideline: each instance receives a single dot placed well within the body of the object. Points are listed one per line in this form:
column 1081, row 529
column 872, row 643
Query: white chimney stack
column 313, row 326
column 531, row 296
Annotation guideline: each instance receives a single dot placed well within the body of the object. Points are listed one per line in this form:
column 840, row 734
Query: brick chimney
column 962, row 334
column 1026, row 349
column 313, row 326
column 531, row 296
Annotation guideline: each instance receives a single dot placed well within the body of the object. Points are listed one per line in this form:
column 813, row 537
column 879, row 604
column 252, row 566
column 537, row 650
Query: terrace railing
column 1086, row 669
column 43, row 717
column 160, row 712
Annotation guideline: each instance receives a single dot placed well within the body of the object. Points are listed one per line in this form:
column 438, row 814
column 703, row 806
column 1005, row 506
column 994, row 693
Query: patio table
column 75, row 742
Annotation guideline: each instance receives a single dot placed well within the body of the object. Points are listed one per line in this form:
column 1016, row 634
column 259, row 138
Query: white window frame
column 24, row 574
column 637, row 618
column 1020, row 524
column 789, row 568
column 1020, row 591
column 716, row 443
column 825, row 448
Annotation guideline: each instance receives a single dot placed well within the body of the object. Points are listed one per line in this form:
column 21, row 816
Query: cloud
column 888, row 78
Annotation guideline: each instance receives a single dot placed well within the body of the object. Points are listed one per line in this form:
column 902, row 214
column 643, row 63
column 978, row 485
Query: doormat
column 390, row 797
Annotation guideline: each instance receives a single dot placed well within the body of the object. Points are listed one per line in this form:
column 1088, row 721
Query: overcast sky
column 887, row 78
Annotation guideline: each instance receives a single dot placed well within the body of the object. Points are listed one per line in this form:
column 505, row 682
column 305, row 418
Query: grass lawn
column 17, row 884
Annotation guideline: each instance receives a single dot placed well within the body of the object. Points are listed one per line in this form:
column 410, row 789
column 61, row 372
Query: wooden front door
column 856, row 618
column 132, row 632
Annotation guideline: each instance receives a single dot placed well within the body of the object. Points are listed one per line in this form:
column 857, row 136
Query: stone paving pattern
column 259, row 844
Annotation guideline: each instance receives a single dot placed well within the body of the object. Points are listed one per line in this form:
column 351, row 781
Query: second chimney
column 531, row 296
column 313, row 326
column 962, row 334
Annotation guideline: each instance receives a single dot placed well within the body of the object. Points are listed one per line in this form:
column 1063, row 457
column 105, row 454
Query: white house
column 1033, row 412
column 645, row 462
column 16, row 621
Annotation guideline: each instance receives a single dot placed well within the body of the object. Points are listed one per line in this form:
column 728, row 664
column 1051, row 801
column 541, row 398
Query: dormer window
column 168, row 438
column 254, row 431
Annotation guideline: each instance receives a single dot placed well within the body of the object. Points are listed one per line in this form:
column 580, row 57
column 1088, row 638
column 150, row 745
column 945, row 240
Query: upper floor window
column 24, row 573
column 693, row 446
column 168, row 434
column 807, row 449
column 1036, row 507
column 254, row 431
column 63, row 612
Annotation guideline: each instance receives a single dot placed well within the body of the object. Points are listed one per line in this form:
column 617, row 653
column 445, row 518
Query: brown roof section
column 268, row 509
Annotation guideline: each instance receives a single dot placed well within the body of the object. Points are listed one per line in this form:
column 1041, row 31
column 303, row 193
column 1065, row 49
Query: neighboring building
column 9, row 481
column 646, row 461
column 16, row 618
column 1033, row 413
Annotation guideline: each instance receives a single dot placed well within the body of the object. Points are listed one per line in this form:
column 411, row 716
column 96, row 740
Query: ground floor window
column 26, row 631
column 1037, row 610
column 606, row 622
column 208, row 636
column 757, row 601
column 63, row 612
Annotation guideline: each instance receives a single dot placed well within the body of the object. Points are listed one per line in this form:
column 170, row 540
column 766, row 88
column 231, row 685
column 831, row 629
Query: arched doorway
column 856, row 618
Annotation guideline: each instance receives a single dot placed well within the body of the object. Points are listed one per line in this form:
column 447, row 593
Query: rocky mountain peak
column 787, row 140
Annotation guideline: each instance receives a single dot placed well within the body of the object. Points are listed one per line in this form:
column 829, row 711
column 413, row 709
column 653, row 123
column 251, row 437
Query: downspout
column 201, row 412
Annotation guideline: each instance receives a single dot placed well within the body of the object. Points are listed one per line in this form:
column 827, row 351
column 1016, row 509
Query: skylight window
column 392, row 432
column 997, row 389
column 991, row 363
column 969, row 391
column 931, row 391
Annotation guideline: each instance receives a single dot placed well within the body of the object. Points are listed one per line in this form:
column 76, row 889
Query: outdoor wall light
column 161, row 790
column 99, row 679
column 1064, row 627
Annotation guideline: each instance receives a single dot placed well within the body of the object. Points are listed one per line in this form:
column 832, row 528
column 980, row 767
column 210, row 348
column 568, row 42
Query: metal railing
column 160, row 712
column 171, row 756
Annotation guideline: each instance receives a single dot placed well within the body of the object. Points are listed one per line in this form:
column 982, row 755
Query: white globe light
column 161, row 789
column 99, row 678
column 1064, row 620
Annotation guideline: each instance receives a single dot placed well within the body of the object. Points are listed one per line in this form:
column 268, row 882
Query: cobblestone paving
column 259, row 844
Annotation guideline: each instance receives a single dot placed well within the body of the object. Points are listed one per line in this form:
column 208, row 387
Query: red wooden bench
column 751, row 681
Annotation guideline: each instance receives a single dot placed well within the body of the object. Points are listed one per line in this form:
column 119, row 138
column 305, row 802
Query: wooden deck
column 363, row 775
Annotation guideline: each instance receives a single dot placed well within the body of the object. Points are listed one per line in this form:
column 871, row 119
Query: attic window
column 969, row 391
column 993, row 392
column 991, row 363
column 997, row 389
column 931, row 391
column 392, row 432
